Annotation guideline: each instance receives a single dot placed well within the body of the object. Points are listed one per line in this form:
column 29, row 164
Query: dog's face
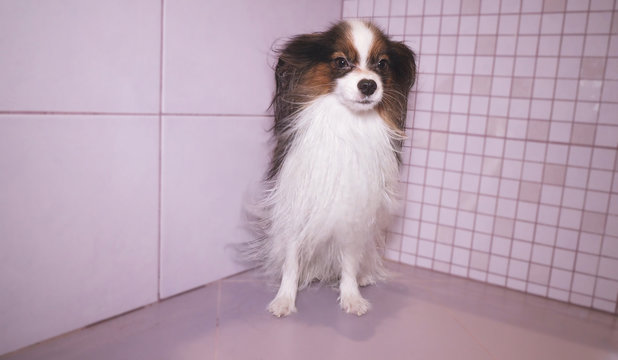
column 361, row 68
column 353, row 60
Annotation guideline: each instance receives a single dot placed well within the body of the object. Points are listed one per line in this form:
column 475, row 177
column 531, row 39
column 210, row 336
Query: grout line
column 515, row 13
column 484, row 156
column 585, row 101
column 425, row 162
column 446, row 152
column 613, row 176
column 405, row 185
column 525, row 160
column 550, row 142
column 567, row 165
column 160, row 189
column 474, row 212
column 431, row 148
column 112, row 113
column 90, row 113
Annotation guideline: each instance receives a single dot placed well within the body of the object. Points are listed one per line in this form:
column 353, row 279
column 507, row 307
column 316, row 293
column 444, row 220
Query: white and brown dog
column 340, row 109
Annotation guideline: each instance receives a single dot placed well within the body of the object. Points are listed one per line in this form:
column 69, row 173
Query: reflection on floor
column 418, row 314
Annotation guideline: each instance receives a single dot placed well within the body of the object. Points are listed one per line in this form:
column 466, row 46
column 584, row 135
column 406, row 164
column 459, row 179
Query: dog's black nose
column 367, row 87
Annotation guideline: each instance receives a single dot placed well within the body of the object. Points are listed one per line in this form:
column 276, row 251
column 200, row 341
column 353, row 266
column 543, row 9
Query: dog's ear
column 305, row 50
column 298, row 55
column 403, row 65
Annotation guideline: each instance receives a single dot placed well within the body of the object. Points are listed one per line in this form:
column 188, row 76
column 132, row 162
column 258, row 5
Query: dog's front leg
column 350, row 299
column 283, row 303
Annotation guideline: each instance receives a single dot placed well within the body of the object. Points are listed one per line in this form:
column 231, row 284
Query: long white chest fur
column 337, row 185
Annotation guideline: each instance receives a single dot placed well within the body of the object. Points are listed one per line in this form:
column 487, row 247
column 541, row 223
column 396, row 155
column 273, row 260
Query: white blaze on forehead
column 362, row 37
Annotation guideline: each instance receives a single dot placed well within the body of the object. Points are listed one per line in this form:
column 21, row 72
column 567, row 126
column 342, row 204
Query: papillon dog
column 340, row 108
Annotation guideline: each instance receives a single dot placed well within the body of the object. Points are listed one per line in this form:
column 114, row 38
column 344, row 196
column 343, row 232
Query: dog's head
column 353, row 60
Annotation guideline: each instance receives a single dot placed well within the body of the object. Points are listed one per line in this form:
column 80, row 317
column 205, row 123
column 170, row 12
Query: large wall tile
column 218, row 54
column 78, row 222
column 74, row 55
column 210, row 165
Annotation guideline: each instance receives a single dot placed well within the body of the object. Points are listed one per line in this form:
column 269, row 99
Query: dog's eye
column 383, row 64
column 341, row 63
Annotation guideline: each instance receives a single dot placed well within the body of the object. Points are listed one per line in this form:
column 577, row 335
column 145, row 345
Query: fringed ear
column 298, row 55
column 404, row 65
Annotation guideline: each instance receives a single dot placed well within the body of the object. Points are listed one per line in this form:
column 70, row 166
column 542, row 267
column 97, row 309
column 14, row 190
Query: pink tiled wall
column 510, row 165
column 129, row 133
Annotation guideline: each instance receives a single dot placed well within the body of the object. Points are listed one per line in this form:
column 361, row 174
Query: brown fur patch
column 317, row 81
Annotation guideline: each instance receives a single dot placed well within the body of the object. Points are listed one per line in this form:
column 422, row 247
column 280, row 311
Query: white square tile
column 508, row 24
column 518, row 269
column 443, row 252
column 566, row 89
column 465, row 220
column 532, row 172
column 545, row 235
column 606, row 289
column 468, row 25
column 576, row 177
column 527, row 211
column 586, row 263
column 596, row 201
column 430, row 214
column 426, row 248
column 521, row 250
column 501, row 246
column 506, row 44
column 193, row 81
column 541, row 254
column 607, row 136
column 567, row 239
column 564, row 259
column 596, row 45
column 83, row 221
column 498, row 265
column 488, row 24
column 461, row 256
column 575, row 23
column 551, row 194
column 549, row 45
column 481, row 242
column 552, row 23
column 77, row 57
column 583, row 284
column 600, row 180
column 190, row 197
column 608, row 268
column 569, row 67
column 529, row 23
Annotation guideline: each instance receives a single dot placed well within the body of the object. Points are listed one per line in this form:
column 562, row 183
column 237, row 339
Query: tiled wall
column 511, row 158
column 129, row 133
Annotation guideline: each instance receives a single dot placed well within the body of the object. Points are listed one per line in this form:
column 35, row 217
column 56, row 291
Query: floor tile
column 417, row 314
column 183, row 327
column 398, row 327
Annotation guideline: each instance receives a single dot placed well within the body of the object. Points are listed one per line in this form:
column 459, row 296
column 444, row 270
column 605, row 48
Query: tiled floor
column 418, row 314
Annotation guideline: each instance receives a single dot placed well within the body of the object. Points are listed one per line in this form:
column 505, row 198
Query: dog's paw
column 282, row 306
column 366, row 280
column 354, row 304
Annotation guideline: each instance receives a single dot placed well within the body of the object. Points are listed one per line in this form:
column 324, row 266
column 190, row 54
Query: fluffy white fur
column 330, row 203
column 323, row 216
